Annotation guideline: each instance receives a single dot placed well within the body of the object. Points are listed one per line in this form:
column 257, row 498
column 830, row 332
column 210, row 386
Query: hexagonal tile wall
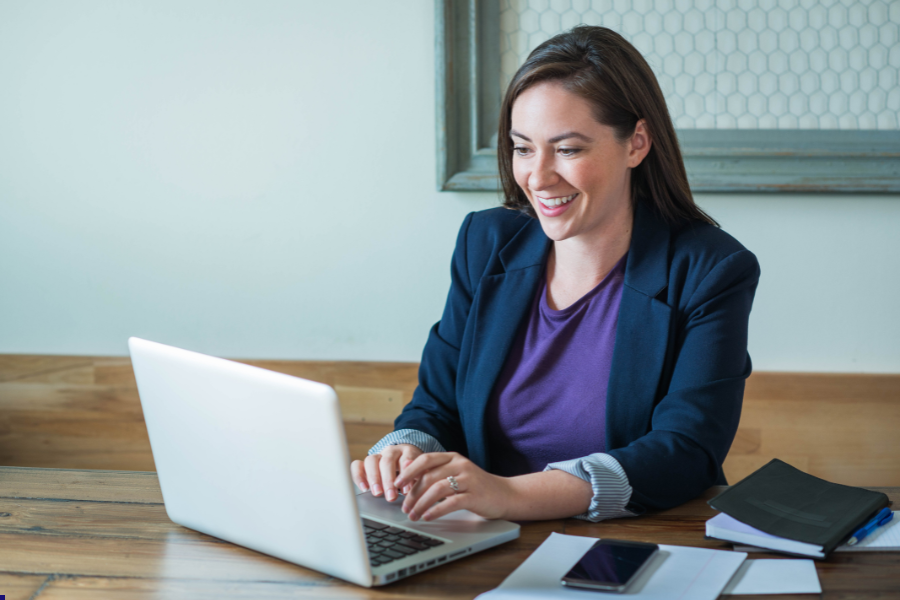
column 742, row 64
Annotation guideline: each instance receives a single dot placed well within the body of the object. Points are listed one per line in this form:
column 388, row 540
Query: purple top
column 549, row 403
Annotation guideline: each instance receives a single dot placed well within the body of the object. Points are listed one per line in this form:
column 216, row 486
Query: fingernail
column 413, row 516
column 363, row 486
column 391, row 495
column 404, row 508
column 376, row 489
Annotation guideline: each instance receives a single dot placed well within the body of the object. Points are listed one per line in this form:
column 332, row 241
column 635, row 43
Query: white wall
column 258, row 180
column 829, row 293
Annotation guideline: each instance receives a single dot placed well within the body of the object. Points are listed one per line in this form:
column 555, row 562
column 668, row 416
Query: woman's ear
column 639, row 144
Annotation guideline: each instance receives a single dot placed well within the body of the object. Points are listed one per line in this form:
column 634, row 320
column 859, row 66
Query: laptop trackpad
column 460, row 521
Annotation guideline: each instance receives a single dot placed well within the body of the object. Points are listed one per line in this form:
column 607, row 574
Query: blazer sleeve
column 695, row 421
column 433, row 408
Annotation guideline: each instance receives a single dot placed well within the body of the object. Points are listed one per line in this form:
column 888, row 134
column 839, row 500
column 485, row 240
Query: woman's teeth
column 551, row 202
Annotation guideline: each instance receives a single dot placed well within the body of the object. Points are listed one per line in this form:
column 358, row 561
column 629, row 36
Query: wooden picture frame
column 717, row 160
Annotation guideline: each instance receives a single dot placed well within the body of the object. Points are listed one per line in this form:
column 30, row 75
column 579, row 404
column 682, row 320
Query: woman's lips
column 555, row 209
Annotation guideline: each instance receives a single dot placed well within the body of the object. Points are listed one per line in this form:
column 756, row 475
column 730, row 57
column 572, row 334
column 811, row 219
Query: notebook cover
column 781, row 500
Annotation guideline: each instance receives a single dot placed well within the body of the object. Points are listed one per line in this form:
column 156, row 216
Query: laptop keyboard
column 388, row 543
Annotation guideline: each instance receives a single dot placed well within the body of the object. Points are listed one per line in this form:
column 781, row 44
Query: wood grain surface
column 104, row 535
column 84, row 413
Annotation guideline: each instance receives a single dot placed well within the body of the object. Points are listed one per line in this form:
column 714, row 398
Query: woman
column 592, row 354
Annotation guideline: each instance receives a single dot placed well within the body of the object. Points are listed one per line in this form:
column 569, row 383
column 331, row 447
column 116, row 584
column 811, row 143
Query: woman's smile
column 555, row 206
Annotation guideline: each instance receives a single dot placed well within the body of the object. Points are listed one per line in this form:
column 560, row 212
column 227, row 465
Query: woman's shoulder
column 497, row 224
column 705, row 256
column 488, row 237
column 696, row 239
column 486, row 232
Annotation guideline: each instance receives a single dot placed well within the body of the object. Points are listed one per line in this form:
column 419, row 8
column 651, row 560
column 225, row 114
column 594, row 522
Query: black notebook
column 786, row 502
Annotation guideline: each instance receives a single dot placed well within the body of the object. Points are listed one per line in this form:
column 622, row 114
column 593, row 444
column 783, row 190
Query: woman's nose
column 543, row 175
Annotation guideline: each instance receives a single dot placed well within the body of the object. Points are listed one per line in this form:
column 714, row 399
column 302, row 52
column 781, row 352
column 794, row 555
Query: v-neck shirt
column 549, row 402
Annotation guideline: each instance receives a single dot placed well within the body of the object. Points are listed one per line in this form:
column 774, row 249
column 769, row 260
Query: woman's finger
column 422, row 464
column 404, row 463
column 389, row 466
column 358, row 474
column 419, row 486
column 373, row 474
column 432, row 488
column 409, row 454
column 450, row 504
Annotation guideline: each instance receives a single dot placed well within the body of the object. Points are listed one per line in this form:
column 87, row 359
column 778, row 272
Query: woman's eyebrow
column 553, row 140
column 569, row 134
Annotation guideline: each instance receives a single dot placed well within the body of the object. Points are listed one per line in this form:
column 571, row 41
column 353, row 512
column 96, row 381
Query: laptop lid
column 251, row 456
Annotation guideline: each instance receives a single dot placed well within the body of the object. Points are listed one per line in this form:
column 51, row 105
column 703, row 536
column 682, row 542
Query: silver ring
column 454, row 485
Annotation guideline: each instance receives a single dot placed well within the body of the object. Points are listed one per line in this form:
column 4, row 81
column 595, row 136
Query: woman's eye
column 520, row 150
column 569, row 151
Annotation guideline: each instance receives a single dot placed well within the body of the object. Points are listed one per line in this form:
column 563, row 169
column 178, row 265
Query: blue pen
column 882, row 518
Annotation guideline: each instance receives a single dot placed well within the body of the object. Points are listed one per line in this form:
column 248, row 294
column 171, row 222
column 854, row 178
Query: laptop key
column 377, row 534
column 407, row 534
column 404, row 549
column 433, row 543
column 413, row 544
column 393, row 554
column 374, row 524
column 392, row 538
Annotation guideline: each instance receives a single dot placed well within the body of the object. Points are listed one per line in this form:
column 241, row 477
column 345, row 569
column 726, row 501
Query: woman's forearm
column 547, row 495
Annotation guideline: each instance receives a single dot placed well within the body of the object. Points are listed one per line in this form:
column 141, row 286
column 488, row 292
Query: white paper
column 677, row 572
column 775, row 576
column 884, row 537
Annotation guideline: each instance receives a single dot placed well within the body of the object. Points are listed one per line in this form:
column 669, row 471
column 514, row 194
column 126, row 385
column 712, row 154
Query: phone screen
column 610, row 563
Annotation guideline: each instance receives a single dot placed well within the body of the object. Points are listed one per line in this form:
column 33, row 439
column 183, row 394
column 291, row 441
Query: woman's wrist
column 546, row 495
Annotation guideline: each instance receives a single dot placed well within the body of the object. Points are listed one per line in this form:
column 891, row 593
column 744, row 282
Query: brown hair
column 599, row 65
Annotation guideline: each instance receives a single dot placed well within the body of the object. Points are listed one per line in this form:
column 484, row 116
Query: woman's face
column 572, row 169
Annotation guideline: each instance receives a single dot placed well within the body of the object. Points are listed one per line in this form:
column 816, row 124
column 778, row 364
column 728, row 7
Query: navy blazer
column 679, row 362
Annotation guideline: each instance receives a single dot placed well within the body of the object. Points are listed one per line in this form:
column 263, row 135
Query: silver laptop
column 260, row 459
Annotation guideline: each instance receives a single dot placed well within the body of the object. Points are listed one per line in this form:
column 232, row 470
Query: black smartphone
column 610, row 565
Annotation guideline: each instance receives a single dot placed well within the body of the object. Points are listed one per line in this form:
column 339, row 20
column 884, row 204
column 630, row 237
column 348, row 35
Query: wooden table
column 104, row 534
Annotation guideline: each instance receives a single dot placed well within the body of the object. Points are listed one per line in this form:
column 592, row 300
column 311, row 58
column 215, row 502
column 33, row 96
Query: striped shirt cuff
column 419, row 439
column 612, row 491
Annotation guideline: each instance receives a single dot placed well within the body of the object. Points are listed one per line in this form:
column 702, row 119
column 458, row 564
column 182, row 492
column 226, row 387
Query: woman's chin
column 556, row 229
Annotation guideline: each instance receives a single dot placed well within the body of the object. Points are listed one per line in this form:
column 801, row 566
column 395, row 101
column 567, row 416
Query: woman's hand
column 378, row 471
column 486, row 495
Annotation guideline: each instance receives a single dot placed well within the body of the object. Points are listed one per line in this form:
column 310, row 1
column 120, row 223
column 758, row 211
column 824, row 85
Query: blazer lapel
column 501, row 303
column 642, row 333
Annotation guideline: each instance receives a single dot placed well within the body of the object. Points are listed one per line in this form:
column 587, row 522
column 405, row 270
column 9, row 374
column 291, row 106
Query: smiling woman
column 592, row 354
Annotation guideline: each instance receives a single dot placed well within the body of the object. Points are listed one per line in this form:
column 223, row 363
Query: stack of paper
column 746, row 538
column 726, row 528
column 677, row 572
